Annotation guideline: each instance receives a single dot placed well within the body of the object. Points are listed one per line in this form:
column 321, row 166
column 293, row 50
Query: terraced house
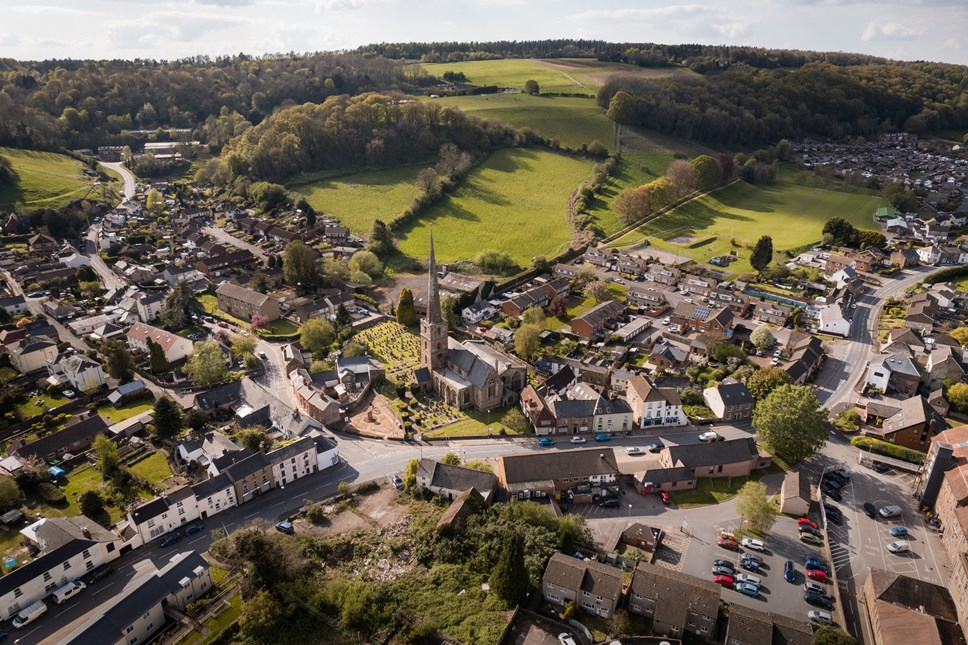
column 243, row 303
column 676, row 603
column 595, row 588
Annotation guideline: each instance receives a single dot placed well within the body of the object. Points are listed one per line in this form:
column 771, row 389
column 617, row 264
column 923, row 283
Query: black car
column 833, row 493
column 655, row 447
column 723, row 563
column 810, row 530
column 880, row 467
column 193, row 528
column 817, row 600
column 170, row 538
column 832, row 482
column 95, row 575
column 833, row 514
column 611, row 502
column 836, row 478
column 842, row 473
column 870, row 510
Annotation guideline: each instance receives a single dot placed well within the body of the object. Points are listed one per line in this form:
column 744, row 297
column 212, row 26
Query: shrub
column 51, row 493
column 368, row 487
column 315, row 513
column 888, row 449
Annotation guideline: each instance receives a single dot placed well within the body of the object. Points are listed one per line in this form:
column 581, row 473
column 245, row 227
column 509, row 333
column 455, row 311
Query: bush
column 368, row 487
column 888, row 449
column 51, row 493
column 315, row 513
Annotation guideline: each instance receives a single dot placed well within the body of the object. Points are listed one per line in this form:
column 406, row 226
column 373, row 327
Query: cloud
column 640, row 15
column 153, row 29
column 890, row 31
column 323, row 6
column 225, row 3
column 684, row 20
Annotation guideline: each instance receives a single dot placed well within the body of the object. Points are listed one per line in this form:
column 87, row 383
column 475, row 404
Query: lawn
column 473, row 424
column 514, row 73
column 154, row 469
column 280, row 327
column 30, row 409
column 44, row 179
column 962, row 285
column 126, row 411
column 734, row 217
column 362, row 198
column 573, row 120
column 515, row 202
column 708, row 491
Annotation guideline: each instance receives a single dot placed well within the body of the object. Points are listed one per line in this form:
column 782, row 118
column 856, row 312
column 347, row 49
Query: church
column 467, row 374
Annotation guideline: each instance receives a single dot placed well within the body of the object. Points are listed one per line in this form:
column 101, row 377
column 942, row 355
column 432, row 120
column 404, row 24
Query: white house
column 214, row 495
column 175, row 347
column 77, row 370
column 327, row 454
column 87, row 325
column 480, row 310
column 832, row 321
column 929, row 255
column 210, row 446
column 293, row 461
column 14, row 305
column 32, row 354
column 165, row 513
column 150, row 306
column 654, row 406
column 75, row 260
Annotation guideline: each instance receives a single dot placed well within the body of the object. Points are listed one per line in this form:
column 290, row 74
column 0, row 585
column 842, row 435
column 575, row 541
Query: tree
column 597, row 149
column 381, row 240
column 242, row 345
column 708, row 172
column 762, row 253
column 515, row 420
column 533, row 316
column 662, row 193
column 168, row 418
column 830, row 635
column 92, row 504
column 258, row 322
column 156, row 358
column 299, row 265
column 448, row 309
column 958, row 396
column 526, row 341
column 632, row 204
column 317, row 335
column 367, row 262
column 766, row 380
column 479, row 465
column 531, row 87
column 960, row 334
column 119, row 360
column 598, row 290
column 509, row 579
column 791, row 422
column 259, row 282
column 254, row 438
column 154, row 201
column 762, row 338
column 10, row 495
column 206, row 365
column 406, row 312
column 559, row 306
column 682, row 175
column 451, row 459
column 428, row 182
column 841, row 231
column 180, row 304
column 107, row 456
column 753, row 506
column 353, row 349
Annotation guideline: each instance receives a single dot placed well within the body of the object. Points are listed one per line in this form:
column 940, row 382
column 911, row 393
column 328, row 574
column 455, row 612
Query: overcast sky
column 168, row 29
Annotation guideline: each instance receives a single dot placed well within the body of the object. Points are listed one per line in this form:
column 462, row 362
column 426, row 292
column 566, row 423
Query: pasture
column 734, row 217
column 512, row 73
column 573, row 120
column 44, row 180
column 361, row 198
column 516, row 202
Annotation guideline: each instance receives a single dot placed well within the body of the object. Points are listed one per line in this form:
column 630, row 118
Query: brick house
column 243, row 302
column 594, row 320
column 729, row 401
column 675, row 602
column 732, row 458
column 594, row 587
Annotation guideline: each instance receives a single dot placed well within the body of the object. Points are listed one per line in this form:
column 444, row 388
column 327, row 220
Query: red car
column 664, row 496
column 728, row 543
column 223, row 324
column 803, row 521
column 725, row 581
column 817, row 574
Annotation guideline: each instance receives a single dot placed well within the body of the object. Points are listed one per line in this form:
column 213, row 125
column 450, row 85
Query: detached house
column 729, row 401
column 594, row 587
column 76, row 437
column 175, row 347
column 451, row 482
column 676, row 603
column 895, row 373
column 76, row 370
column 32, row 353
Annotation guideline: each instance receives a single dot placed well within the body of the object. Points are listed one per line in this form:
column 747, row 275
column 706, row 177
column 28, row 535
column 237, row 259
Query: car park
column 611, row 502
column 817, row 574
column 726, row 581
column 602, row 437
column 833, row 493
column 806, row 521
column 820, row 616
column 756, row 545
column 833, row 513
column 899, row 546
column 815, row 588
column 747, row 589
column 899, row 531
column 577, row 439
column 633, row 450
column 170, row 538
column 545, row 441
column 745, row 577
column 285, row 527
column 817, row 600
column 870, row 510
column 789, row 571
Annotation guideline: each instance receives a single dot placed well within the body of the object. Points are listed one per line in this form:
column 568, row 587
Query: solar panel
column 701, row 313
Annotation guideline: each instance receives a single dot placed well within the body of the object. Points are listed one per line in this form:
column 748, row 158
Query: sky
column 171, row 29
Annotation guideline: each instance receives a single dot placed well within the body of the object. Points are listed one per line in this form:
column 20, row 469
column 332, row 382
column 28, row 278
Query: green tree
column 410, row 475
column 107, row 456
column 254, row 438
column 753, row 506
column 960, row 334
column 766, row 380
column 533, row 316
column 708, row 172
column 180, row 304
column 448, row 309
column 154, row 202
column 479, row 465
column 156, row 358
column 168, row 418
column 662, row 193
column 831, row 635
column 451, row 459
column 598, row 290
column 206, row 364
column 406, row 312
column 353, row 349
column 531, row 87
column 762, row 253
column 958, row 396
column 526, row 341
column 368, row 263
column 381, row 240
column 120, row 362
column 259, row 282
column 299, row 265
column 573, row 532
column 92, row 504
column 762, row 338
column 632, row 204
column 791, row 422
column 509, row 579
column 317, row 335
column 242, row 346
column 682, row 175
column 10, row 496
column 515, row 420
column 841, row 231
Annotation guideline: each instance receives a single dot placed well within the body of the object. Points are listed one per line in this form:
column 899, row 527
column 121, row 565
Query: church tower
column 433, row 328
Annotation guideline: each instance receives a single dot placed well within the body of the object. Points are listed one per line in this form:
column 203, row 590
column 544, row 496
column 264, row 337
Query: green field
column 573, row 120
column 516, row 202
column 514, row 73
column 792, row 214
column 362, row 198
column 45, row 179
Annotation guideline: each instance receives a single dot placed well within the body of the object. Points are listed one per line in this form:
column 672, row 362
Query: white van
column 69, row 590
column 30, row 614
column 890, row 511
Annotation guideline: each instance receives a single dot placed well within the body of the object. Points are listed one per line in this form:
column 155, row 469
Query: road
column 222, row 236
column 128, row 187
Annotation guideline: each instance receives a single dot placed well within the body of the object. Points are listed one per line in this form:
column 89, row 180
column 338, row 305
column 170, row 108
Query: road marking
column 102, row 589
column 251, row 515
column 197, row 539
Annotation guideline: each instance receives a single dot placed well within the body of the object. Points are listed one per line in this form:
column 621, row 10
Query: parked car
column 656, row 447
column 222, row 324
column 745, row 577
column 820, row 616
column 751, row 565
column 566, row 639
column 835, row 476
column 709, row 436
column 842, row 472
column 810, row 538
column 193, row 528
column 601, row 436
column 96, row 575
column 69, row 393
column 832, row 482
column 810, row 530
column 817, row 600
column 817, row 574
column 724, row 563
column 880, row 467
column 546, row 441
column 899, row 546
column 833, row 513
column 577, row 439
column 728, row 543
column 806, row 521
column 665, row 497
column 756, row 545
column 726, row 581
column 68, row 591
column 633, row 450
column 723, row 571
column 285, row 527
column 899, row 531
column 397, row 481
column 611, row 502
column 747, row 589
column 870, row 510
column 890, row 511
column 815, row 588
column 789, row 571
column 812, row 562
column 262, row 355
column 170, row 538
column 833, row 493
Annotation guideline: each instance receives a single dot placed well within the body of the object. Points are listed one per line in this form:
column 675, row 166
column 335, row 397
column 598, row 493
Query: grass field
column 45, row 179
column 513, row 73
column 362, row 198
column 154, row 469
column 516, row 202
column 792, row 214
column 573, row 120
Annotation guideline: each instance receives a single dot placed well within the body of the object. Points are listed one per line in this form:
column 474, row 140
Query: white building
column 150, row 306
column 293, row 461
column 480, row 310
column 832, row 321
column 163, row 514
column 175, row 347
column 214, row 495
column 32, row 354
column 76, row 370
column 654, row 406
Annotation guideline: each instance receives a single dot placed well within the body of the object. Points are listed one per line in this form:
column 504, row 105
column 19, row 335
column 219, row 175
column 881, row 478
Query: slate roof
column 211, row 486
column 914, row 411
column 572, row 408
column 913, row 594
column 699, row 455
column 674, row 593
column 39, row 566
column 756, row 627
column 90, row 427
column 667, row 475
column 559, row 465
column 734, row 393
column 584, row 575
column 243, row 294
column 600, row 313
column 456, row 477
column 245, row 467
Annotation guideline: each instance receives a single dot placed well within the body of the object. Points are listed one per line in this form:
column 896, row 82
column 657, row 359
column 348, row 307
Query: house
column 795, row 493
column 243, row 303
column 662, row 274
column 598, row 256
column 32, row 353
column 903, row 610
column 42, row 245
column 945, row 363
column 293, row 460
column 176, row 347
column 572, row 416
column 913, row 426
column 676, row 603
column 593, row 321
column 222, row 263
column 313, row 399
column 536, row 409
column 702, row 317
column 476, row 312
column 126, row 392
column 143, row 606
column 68, row 548
column 451, row 482
column 214, row 495
column 150, row 306
column 731, row 458
column 60, row 311
column 595, row 588
column 832, row 321
column 668, row 356
column 729, row 401
column 772, row 312
column 642, row 537
column 175, row 274
column 905, row 258
column 609, row 414
column 164, row 513
column 546, row 473
column 203, row 450
column 76, row 437
column 557, row 287
column 806, row 356
column 357, row 372
column 76, row 371
column 628, row 264
column 653, row 406
column 14, row 305
column 519, row 303
column 650, row 300
column 567, row 271
column 748, row 626
column 250, row 473
column 895, row 373
column 656, row 479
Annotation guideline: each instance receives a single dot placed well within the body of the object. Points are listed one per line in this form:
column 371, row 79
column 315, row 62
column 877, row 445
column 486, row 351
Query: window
column 87, row 553
column 598, row 598
column 147, row 614
column 636, row 608
column 47, row 576
column 151, row 523
column 67, row 565
column 90, row 565
column 50, row 587
column 553, row 596
column 129, row 629
column 17, row 592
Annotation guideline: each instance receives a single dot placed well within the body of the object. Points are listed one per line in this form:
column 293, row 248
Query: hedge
column 948, row 274
column 888, row 449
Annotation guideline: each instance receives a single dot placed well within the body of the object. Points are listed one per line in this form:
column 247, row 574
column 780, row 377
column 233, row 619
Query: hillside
column 43, row 180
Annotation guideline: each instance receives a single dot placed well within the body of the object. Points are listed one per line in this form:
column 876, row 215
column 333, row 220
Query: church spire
column 433, row 293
